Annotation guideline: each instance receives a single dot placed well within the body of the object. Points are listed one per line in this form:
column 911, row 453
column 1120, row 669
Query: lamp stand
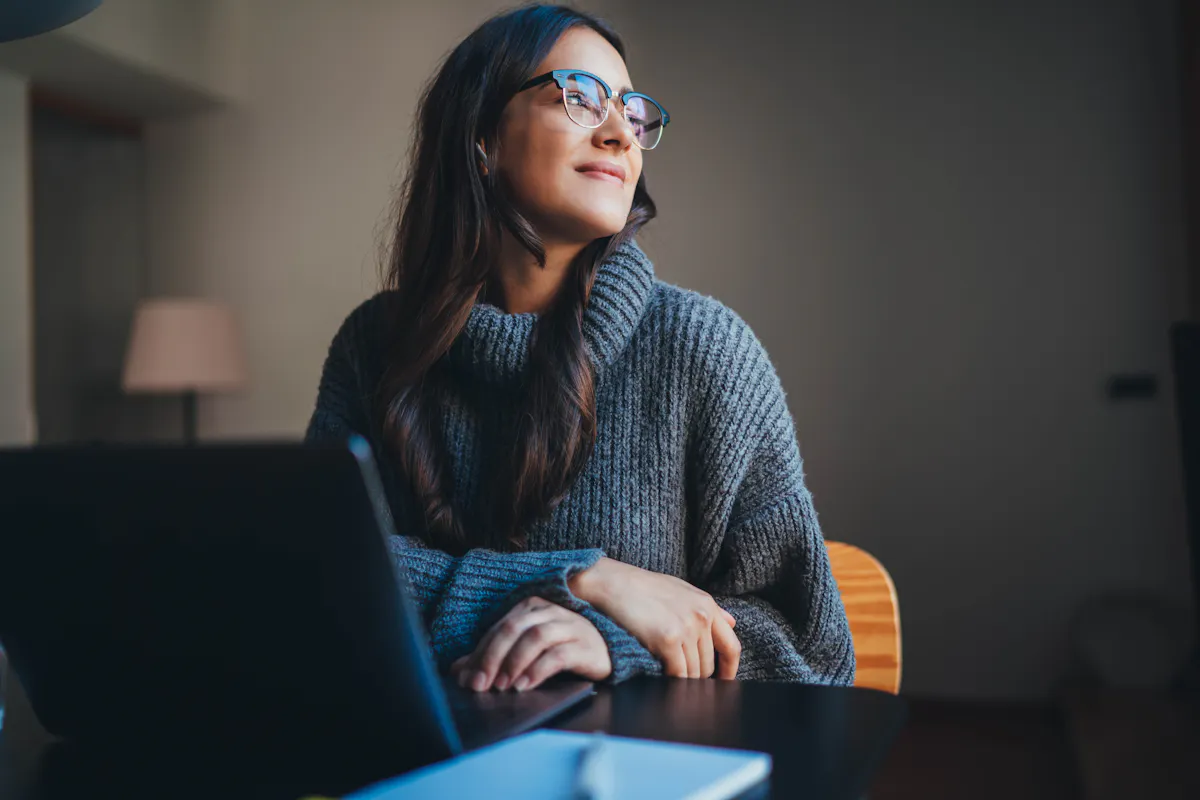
column 189, row 416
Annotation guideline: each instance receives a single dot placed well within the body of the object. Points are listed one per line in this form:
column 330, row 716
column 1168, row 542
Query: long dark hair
column 447, row 239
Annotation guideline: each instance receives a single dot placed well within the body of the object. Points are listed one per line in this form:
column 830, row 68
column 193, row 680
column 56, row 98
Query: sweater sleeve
column 461, row 597
column 760, row 550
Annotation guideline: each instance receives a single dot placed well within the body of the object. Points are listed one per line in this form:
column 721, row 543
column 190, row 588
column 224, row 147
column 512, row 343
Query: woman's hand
column 681, row 625
column 532, row 642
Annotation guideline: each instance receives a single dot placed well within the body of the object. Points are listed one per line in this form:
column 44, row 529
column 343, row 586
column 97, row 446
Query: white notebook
column 544, row 765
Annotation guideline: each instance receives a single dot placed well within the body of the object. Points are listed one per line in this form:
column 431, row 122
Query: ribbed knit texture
column 696, row 473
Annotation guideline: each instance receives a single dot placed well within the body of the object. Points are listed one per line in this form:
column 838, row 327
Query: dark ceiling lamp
column 22, row 18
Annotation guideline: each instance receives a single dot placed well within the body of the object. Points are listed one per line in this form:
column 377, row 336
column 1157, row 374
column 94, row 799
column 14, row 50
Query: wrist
column 587, row 584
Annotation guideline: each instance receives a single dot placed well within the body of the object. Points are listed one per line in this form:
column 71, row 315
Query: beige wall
column 193, row 42
column 16, row 338
column 948, row 222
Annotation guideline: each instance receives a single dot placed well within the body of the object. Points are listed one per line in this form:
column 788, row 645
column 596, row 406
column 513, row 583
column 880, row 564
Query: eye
column 584, row 100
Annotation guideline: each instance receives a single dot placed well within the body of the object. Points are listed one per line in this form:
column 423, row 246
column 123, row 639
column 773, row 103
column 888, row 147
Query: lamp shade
column 22, row 18
column 183, row 345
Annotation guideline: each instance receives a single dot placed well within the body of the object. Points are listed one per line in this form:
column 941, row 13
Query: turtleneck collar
column 494, row 346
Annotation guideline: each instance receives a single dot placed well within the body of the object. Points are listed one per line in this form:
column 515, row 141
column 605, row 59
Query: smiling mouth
column 602, row 176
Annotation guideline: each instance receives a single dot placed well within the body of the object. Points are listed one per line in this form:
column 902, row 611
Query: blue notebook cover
column 545, row 765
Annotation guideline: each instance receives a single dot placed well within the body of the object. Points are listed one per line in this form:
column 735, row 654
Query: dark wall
column 950, row 223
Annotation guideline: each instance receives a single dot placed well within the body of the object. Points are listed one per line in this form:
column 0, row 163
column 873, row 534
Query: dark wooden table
column 825, row 742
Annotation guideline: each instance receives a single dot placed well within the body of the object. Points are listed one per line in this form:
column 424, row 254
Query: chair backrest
column 873, row 611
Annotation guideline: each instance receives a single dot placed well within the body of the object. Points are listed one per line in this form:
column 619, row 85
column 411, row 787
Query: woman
column 593, row 471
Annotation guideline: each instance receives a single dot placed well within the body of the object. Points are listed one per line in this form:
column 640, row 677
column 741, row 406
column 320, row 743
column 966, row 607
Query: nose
column 615, row 131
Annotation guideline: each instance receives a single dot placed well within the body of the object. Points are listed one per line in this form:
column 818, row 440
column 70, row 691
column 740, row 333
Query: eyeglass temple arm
column 538, row 81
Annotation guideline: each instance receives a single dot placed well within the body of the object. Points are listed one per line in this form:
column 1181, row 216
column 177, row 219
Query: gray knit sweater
column 696, row 473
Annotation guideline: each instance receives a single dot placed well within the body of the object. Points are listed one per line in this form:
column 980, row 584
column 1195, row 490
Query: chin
column 599, row 231
column 575, row 229
column 594, row 224
column 580, row 218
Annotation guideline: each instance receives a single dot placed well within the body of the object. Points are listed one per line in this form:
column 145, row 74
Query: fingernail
column 479, row 682
column 522, row 684
column 501, row 682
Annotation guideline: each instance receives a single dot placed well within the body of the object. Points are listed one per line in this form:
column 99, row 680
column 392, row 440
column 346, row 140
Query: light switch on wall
column 1132, row 386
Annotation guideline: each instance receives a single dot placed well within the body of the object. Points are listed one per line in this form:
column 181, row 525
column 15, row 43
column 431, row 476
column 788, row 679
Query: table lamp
column 185, row 347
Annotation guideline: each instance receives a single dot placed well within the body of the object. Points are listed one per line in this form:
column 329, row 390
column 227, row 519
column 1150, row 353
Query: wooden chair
column 873, row 611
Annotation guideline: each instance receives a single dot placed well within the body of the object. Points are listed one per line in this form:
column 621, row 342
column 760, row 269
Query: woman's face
column 544, row 157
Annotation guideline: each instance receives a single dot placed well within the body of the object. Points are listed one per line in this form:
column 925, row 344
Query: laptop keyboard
column 484, row 702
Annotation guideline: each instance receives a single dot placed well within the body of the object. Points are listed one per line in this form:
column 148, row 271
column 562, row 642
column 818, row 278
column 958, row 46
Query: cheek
column 534, row 173
column 542, row 180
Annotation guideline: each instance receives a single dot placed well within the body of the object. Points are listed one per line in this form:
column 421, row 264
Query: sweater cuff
column 629, row 657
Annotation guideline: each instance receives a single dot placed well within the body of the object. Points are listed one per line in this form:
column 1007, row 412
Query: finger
column 691, row 652
column 499, row 640
column 460, row 670
column 533, row 643
column 549, row 663
column 675, row 664
column 729, row 650
column 527, row 605
column 489, row 658
column 729, row 618
column 705, row 648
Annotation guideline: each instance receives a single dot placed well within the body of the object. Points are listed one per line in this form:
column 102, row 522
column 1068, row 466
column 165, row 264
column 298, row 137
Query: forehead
column 583, row 48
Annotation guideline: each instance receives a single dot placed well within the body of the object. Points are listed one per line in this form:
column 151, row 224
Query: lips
column 604, row 170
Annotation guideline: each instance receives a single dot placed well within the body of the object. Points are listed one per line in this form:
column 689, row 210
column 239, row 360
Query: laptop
column 234, row 598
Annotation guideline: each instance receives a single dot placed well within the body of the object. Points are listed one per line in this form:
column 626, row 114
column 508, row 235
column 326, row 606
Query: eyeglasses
column 586, row 98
